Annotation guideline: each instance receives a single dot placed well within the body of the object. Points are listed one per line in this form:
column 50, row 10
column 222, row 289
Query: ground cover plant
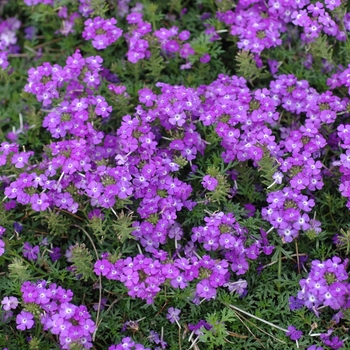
column 174, row 174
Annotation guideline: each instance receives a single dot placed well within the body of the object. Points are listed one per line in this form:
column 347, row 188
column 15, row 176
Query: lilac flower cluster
column 259, row 24
column 326, row 285
column 172, row 41
column 223, row 233
column 144, row 276
column 85, row 8
column 287, row 212
column 8, row 39
column 137, row 44
column 68, row 21
column 146, row 161
column 103, row 32
column 72, row 324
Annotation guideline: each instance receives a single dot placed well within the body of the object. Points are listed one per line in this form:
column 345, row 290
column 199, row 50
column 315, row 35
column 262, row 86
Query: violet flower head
column 295, row 303
column 250, row 208
column 173, row 314
column 239, row 286
column 56, row 254
column 273, row 66
column 25, row 320
column 2, row 230
column 30, row 252
column 205, row 58
column 103, row 32
column 293, row 333
column 17, row 226
column 2, row 247
column 9, row 303
column 209, row 183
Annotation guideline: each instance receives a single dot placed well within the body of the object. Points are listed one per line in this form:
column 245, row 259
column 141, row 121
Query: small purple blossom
column 30, row 252
column 209, row 182
column 293, row 333
column 9, row 303
column 24, row 320
column 173, row 314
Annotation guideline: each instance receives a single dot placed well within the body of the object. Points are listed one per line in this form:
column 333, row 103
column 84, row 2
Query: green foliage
column 82, row 262
column 122, row 227
column 344, row 240
column 202, row 45
column 155, row 64
column 247, row 68
column 320, row 48
column 217, row 335
column 268, row 166
column 152, row 13
column 99, row 8
column 57, row 223
column 18, row 270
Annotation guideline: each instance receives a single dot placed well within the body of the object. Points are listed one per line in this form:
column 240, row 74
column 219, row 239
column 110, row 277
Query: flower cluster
column 223, row 233
column 259, row 24
column 72, row 324
column 8, row 39
column 172, row 41
column 137, row 44
column 144, row 276
column 103, row 32
column 143, row 168
column 68, row 21
column 326, row 285
column 287, row 212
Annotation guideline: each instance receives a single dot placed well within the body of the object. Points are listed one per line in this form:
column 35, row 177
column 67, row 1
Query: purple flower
column 173, row 314
column 24, row 320
column 205, row 290
column 239, row 286
column 293, row 333
column 2, row 247
column 273, row 66
column 17, row 226
column 250, row 208
column 103, row 32
column 20, row 159
column 9, row 303
column 205, row 58
column 209, row 182
column 55, row 254
column 295, row 303
column 30, row 252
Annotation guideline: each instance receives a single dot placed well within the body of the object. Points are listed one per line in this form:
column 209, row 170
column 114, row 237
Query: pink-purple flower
column 209, row 182
column 24, row 320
